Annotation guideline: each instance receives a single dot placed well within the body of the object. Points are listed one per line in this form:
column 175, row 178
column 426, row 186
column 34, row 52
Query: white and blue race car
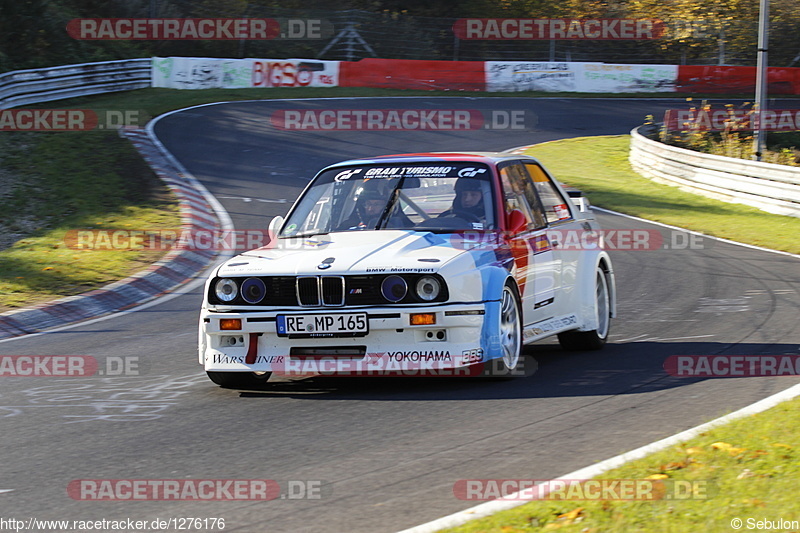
column 412, row 263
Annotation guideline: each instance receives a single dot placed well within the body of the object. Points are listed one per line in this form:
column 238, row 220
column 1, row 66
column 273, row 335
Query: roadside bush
column 735, row 140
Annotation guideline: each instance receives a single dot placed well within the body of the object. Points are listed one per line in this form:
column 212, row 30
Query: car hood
column 355, row 252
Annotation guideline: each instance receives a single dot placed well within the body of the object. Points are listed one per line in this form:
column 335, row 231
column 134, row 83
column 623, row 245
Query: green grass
column 45, row 266
column 599, row 167
column 63, row 181
column 746, row 469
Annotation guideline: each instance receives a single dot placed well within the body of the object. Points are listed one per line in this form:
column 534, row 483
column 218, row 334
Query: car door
column 538, row 270
column 566, row 236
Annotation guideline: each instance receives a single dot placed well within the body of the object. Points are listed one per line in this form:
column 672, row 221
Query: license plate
column 323, row 325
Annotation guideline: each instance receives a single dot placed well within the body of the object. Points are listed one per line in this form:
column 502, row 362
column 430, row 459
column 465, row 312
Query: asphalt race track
column 381, row 455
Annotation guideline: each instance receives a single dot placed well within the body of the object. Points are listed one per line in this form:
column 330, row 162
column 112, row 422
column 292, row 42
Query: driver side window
column 518, row 193
column 556, row 207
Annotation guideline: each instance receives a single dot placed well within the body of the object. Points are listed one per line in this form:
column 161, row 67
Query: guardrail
column 22, row 87
column 766, row 186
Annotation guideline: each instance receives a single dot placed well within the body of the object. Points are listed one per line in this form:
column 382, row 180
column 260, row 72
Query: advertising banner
column 512, row 76
column 613, row 78
column 211, row 73
column 294, row 73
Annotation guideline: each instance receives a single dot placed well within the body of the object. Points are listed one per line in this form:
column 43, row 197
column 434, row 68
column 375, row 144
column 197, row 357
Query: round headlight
column 253, row 290
column 428, row 288
column 226, row 289
column 394, row 288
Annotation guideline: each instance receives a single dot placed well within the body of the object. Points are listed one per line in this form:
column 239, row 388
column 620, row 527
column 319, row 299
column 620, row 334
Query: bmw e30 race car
column 412, row 263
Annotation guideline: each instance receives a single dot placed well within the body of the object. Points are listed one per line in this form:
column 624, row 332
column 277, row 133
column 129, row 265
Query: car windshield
column 437, row 196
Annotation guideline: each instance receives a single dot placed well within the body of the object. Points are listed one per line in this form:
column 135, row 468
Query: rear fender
column 586, row 290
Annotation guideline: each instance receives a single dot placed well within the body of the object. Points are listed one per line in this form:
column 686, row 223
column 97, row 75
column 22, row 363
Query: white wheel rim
column 509, row 329
column 603, row 305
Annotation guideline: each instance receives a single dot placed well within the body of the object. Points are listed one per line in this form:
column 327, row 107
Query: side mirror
column 274, row 227
column 578, row 199
column 515, row 222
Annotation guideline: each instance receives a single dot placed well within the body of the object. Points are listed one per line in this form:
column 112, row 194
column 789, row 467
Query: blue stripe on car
column 492, row 280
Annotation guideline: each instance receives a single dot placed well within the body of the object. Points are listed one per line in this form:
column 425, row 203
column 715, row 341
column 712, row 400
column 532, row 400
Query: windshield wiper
column 303, row 235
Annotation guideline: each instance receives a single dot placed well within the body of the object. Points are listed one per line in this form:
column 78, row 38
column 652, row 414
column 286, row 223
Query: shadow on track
column 632, row 368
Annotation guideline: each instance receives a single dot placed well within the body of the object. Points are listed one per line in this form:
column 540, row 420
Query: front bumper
column 458, row 338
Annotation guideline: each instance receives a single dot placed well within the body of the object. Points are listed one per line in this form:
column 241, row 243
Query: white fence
column 769, row 187
column 23, row 87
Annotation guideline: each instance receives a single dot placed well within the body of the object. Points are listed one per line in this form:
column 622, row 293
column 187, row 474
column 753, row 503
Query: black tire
column 239, row 380
column 510, row 330
column 596, row 338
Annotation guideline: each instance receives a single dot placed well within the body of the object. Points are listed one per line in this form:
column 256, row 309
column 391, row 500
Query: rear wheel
column 595, row 339
column 239, row 380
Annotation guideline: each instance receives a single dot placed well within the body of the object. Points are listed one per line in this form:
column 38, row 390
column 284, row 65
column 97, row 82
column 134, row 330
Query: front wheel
column 510, row 331
column 595, row 339
column 239, row 380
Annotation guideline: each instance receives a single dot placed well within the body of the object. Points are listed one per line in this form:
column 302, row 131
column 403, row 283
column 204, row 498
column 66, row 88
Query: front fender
column 481, row 276
column 477, row 275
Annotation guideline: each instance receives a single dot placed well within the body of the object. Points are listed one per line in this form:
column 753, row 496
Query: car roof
column 421, row 157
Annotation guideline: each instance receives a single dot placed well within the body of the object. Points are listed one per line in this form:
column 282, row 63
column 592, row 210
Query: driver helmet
column 468, row 184
column 369, row 195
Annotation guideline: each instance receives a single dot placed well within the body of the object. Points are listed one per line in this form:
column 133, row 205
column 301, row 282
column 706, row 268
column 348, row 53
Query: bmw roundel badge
column 326, row 263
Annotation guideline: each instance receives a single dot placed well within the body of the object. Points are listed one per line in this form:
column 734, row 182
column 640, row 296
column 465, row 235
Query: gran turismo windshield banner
column 426, row 170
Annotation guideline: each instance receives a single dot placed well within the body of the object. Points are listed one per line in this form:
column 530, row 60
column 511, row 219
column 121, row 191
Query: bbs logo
column 472, row 356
